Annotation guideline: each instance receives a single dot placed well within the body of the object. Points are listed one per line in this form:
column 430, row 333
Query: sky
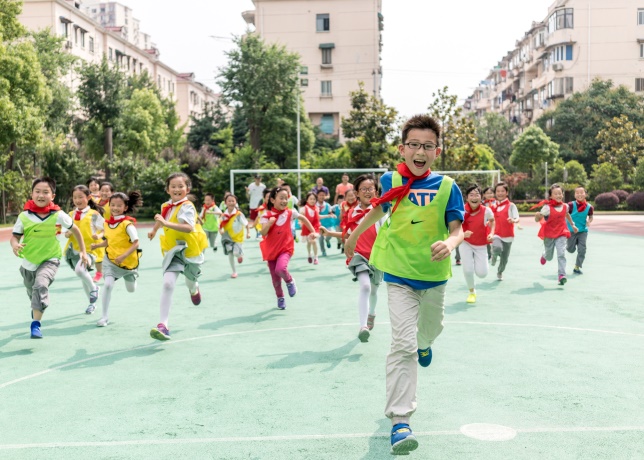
column 426, row 44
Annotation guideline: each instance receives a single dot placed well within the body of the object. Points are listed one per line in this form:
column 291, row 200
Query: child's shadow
column 83, row 360
column 379, row 447
column 458, row 307
column 6, row 340
column 487, row 286
column 256, row 318
column 25, row 325
column 305, row 358
column 535, row 289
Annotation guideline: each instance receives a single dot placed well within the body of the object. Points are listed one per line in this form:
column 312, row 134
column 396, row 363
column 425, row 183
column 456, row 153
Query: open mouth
column 420, row 164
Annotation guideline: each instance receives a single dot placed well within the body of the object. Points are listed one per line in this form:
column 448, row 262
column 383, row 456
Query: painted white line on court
column 305, row 437
column 255, row 331
column 488, row 432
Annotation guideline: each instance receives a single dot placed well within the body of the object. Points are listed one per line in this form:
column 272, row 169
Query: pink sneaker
column 196, row 298
column 160, row 332
column 240, row 259
column 315, row 261
column 542, row 260
column 234, row 275
column 98, row 276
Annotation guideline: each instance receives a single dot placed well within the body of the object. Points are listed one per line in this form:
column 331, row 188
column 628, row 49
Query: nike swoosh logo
column 413, row 222
column 36, row 231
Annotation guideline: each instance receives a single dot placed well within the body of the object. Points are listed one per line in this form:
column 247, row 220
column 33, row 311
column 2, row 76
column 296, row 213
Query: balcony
column 249, row 16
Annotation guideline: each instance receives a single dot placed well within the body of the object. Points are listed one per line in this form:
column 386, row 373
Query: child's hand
column 119, row 260
column 151, row 234
column 440, row 251
column 349, row 246
column 272, row 220
column 490, row 237
column 17, row 249
column 312, row 237
column 538, row 215
column 468, row 233
column 159, row 218
column 68, row 234
column 93, row 246
column 95, row 236
column 574, row 228
column 85, row 259
column 511, row 220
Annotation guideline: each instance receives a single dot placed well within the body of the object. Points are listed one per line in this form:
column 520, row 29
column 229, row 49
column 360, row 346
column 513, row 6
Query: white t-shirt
column 281, row 220
column 255, row 194
column 63, row 219
column 130, row 230
column 545, row 211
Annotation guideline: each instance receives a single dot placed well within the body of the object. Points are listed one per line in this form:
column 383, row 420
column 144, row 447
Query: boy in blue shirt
column 413, row 250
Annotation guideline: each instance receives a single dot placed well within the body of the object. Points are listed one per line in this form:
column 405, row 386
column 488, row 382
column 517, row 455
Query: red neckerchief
column 469, row 210
column 167, row 207
column 226, row 218
column 79, row 214
column 206, row 207
column 401, row 191
column 274, row 213
column 352, row 221
column 581, row 206
column 551, row 203
column 31, row 206
column 102, row 203
column 312, row 208
column 113, row 221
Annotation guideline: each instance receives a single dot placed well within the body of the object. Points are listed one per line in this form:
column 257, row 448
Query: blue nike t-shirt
column 422, row 192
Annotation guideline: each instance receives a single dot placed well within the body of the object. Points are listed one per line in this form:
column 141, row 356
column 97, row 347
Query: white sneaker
column 499, row 276
column 90, row 309
column 102, row 322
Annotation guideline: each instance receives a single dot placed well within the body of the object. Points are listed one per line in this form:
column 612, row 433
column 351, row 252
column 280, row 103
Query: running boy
column 210, row 219
column 34, row 240
column 506, row 215
column 582, row 215
column 232, row 225
column 413, row 250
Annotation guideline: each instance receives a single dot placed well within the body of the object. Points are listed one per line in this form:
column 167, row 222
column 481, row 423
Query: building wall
column 192, row 99
column 354, row 32
column 548, row 64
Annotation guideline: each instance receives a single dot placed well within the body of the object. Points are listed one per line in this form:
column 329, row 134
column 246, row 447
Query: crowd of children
column 403, row 238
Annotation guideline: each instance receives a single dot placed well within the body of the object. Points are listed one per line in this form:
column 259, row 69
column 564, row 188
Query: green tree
column 605, row 177
column 571, row 173
column 203, row 128
column 63, row 163
column 143, row 130
column 101, row 94
column 445, row 109
column 370, row 125
column 263, row 80
column 576, row 121
column 533, row 148
column 638, row 177
column 494, row 130
column 621, row 145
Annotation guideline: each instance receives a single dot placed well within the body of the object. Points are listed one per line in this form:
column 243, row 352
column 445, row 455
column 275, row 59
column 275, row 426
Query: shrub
column 621, row 194
column 636, row 201
column 605, row 177
column 606, row 202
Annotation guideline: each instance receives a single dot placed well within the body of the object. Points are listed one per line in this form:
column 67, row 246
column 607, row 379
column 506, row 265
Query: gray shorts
column 37, row 283
column 230, row 246
column 116, row 272
column 175, row 261
column 360, row 264
column 72, row 259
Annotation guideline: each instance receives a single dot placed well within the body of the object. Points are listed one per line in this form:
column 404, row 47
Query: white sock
column 193, row 286
column 169, row 281
column 85, row 277
column 106, row 296
column 363, row 298
column 373, row 299
column 231, row 259
column 130, row 286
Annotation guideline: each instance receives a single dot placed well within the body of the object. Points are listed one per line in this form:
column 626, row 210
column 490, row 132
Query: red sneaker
column 240, row 259
column 98, row 277
column 196, row 298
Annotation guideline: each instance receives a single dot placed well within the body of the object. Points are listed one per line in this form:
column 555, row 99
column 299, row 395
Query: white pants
column 416, row 320
column 473, row 261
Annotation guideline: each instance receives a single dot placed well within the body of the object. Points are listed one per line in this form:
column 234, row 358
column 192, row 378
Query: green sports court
column 533, row 370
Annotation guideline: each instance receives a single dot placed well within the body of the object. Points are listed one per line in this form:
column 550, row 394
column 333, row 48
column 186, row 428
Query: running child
column 105, row 192
column 489, row 201
column 277, row 245
column 327, row 220
column 88, row 217
column 506, row 215
column 182, row 245
column 582, row 215
column 368, row 277
column 231, row 227
column 209, row 218
column 413, row 250
column 121, row 243
column 478, row 231
column 41, row 253
column 94, row 187
column 311, row 212
column 293, row 205
column 554, row 231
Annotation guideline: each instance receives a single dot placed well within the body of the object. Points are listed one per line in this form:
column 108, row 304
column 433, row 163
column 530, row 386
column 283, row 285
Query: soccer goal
column 482, row 178
column 299, row 172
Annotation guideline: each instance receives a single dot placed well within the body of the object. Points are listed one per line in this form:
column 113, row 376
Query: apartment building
column 339, row 42
column 116, row 15
column 578, row 41
column 192, row 96
column 90, row 41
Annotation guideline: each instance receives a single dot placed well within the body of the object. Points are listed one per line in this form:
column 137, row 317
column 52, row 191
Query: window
column 304, row 82
column 91, row 45
column 639, row 84
column 568, row 85
column 326, row 88
column 327, row 125
column 561, row 19
column 642, row 50
column 561, row 53
column 322, row 23
column 110, row 54
column 64, row 30
column 304, row 70
column 326, row 56
column 640, row 17
column 82, row 38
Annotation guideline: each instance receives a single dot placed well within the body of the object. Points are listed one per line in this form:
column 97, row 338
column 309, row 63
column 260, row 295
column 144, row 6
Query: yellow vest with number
column 196, row 240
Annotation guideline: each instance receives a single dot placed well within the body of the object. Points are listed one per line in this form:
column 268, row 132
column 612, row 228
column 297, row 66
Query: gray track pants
column 38, row 282
column 578, row 241
column 549, row 245
column 502, row 249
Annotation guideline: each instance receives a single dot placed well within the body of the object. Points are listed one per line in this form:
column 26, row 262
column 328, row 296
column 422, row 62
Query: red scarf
column 581, row 206
column 102, row 203
column 551, row 203
column 206, row 207
column 113, row 221
column 469, row 210
column 31, row 206
column 401, row 191
column 167, row 207
column 352, row 221
column 312, row 208
column 225, row 218
column 78, row 214
column 274, row 213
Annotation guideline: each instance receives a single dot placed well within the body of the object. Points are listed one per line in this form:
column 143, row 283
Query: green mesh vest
column 40, row 239
column 403, row 246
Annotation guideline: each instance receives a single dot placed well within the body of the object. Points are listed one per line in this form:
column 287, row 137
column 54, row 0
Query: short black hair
column 363, row 177
column 421, row 122
column 48, row 180
column 501, row 184
column 184, row 176
column 273, row 195
column 471, row 188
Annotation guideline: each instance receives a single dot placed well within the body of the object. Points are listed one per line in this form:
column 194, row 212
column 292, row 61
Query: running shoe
column 90, row 309
column 160, row 332
column 371, row 321
column 458, row 261
column 97, row 277
column 542, row 260
column 403, row 440
column 577, row 271
column 425, row 357
column 35, row 330
column 292, row 288
column 281, row 303
column 499, row 276
column 364, row 334
column 102, row 322
column 93, row 295
column 562, row 280
column 310, row 259
column 316, row 261
column 240, row 259
column 471, row 298
column 234, row 275
column 328, row 244
column 196, row 297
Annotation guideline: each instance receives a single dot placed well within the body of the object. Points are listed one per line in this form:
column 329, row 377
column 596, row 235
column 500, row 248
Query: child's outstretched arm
column 492, row 225
column 155, row 229
column 326, row 232
column 370, row 219
column 538, row 216
column 16, row 245
column 102, row 244
column 571, row 222
column 306, row 222
column 442, row 249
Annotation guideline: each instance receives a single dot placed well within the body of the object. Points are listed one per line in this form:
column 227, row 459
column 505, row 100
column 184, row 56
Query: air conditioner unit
column 557, row 67
column 68, row 45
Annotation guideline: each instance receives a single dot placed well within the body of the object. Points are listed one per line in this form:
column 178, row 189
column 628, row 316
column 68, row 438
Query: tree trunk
column 255, row 142
column 108, row 150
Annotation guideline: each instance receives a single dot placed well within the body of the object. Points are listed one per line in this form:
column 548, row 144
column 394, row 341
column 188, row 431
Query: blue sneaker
column 35, row 330
column 425, row 356
column 281, row 303
column 403, row 440
column 292, row 289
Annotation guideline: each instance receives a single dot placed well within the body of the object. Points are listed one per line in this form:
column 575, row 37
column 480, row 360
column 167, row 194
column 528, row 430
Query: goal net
column 466, row 178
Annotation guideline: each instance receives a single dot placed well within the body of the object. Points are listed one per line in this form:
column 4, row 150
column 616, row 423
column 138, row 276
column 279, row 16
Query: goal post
column 484, row 178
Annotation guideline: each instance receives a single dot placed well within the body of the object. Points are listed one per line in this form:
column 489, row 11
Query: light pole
column 299, row 175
